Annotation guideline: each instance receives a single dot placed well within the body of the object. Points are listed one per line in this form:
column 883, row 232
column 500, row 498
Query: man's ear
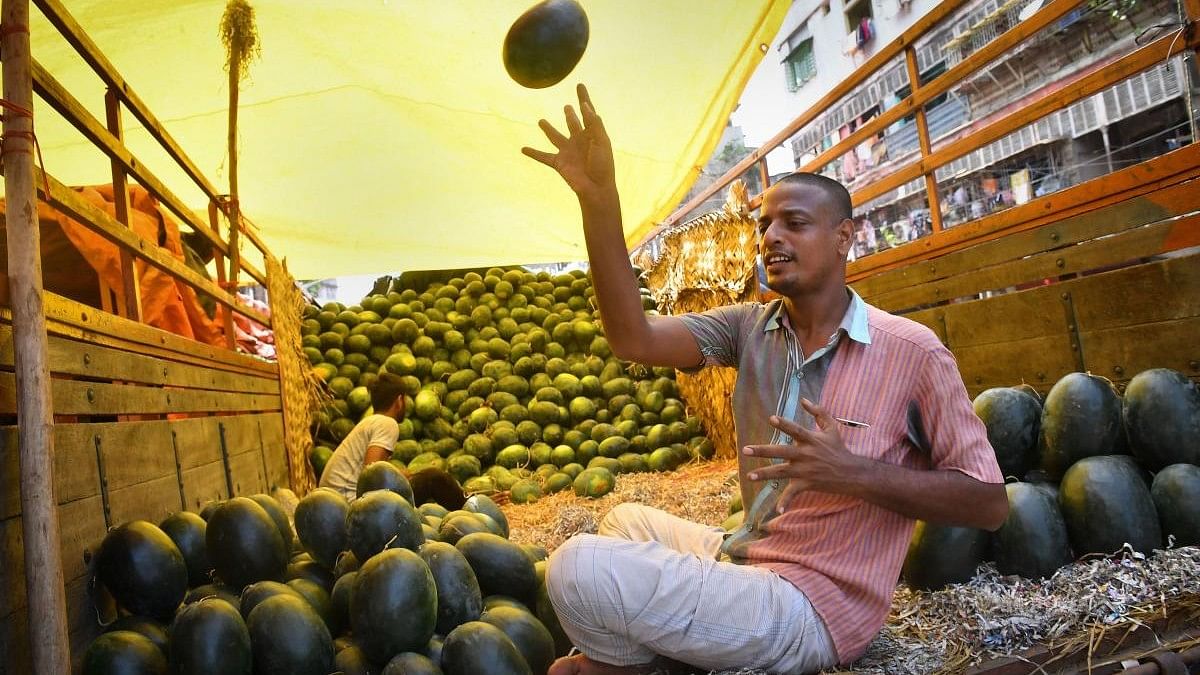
column 845, row 236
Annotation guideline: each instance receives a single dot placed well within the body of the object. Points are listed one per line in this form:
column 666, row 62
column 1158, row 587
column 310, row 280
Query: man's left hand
column 817, row 459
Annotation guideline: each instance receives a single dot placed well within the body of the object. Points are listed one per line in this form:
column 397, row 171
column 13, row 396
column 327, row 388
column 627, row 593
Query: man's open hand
column 817, row 459
column 584, row 158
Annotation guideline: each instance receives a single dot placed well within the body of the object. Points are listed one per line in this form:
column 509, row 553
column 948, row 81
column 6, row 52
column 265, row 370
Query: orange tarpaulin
column 167, row 303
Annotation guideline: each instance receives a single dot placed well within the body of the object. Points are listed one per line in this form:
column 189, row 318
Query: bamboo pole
column 39, row 514
column 240, row 36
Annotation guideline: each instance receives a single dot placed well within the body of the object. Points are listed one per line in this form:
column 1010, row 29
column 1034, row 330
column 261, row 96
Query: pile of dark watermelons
column 1089, row 471
column 371, row 586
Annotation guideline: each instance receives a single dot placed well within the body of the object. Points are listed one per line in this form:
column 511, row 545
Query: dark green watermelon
column 530, row 637
column 384, row 476
column 244, row 544
column 1081, row 417
column 459, row 597
column 210, row 508
column 1106, row 503
column 321, row 525
column 316, row 596
column 1028, row 389
column 347, row 562
column 287, row 636
column 478, row 647
column 258, row 591
column 544, row 611
column 1176, row 494
column 187, row 530
column 535, row 552
column 311, row 570
column 145, row 626
column 543, row 45
column 143, row 569
column 493, row 601
column 339, row 603
column 1162, row 418
column 1033, row 541
column 213, row 591
column 210, row 637
column 433, row 649
column 123, row 652
column 432, row 509
column 943, row 554
column 353, row 661
column 500, row 565
column 484, row 504
column 458, row 525
column 275, row 510
column 393, row 604
column 410, row 663
column 382, row 519
column 1012, row 419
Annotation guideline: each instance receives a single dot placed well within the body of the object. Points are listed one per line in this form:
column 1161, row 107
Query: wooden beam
column 35, row 418
column 66, row 105
column 931, row 194
column 1088, row 85
column 881, row 58
column 130, row 284
column 78, row 321
column 78, row 208
column 1170, row 169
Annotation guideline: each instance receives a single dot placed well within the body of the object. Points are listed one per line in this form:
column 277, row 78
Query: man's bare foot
column 582, row 665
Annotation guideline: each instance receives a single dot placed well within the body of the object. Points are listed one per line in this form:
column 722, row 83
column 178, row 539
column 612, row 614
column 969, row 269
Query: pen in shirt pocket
column 854, row 424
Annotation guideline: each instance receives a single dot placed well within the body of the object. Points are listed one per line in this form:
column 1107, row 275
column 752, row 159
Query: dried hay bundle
column 708, row 262
column 299, row 383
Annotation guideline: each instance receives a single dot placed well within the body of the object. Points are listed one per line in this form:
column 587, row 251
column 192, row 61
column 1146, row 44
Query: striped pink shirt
column 844, row 553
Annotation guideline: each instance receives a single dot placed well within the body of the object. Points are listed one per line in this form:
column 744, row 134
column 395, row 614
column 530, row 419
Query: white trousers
column 649, row 584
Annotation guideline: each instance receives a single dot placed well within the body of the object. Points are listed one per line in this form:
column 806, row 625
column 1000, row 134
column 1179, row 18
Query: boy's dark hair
column 385, row 390
column 839, row 197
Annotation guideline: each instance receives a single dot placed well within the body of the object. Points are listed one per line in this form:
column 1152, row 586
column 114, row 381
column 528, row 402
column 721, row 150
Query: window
column 800, row 66
column 856, row 11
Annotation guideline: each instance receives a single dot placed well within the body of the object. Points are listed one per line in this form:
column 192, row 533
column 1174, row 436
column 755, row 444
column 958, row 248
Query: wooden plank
column 198, row 441
column 76, row 475
column 1146, row 177
column 63, row 314
column 1120, row 353
column 885, row 54
column 55, row 94
column 72, row 204
column 1127, row 246
column 203, row 484
column 151, row 500
column 85, row 359
column 1161, row 291
column 1039, row 361
column 242, row 434
column 15, row 657
column 130, row 286
column 73, row 397
column 247, row 472
column 274, row 450
column 1017, row 316
column 1140, row 210
column 132, row 452
column 81, row 531
column 82, row 625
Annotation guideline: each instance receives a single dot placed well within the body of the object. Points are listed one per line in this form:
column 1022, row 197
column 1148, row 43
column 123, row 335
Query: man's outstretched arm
column 584, row 159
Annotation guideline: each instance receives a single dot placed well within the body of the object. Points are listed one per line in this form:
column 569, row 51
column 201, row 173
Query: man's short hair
column 839, row 196
column 385, row 390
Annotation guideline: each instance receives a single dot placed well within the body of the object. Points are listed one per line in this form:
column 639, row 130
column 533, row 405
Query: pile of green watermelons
column 374, row 586
column 511, row 384
column 1090, row 471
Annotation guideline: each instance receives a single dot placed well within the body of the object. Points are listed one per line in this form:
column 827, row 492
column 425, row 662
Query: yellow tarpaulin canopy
column 379, row 136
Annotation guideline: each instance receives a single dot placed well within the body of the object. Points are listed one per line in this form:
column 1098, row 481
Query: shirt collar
column 854, row 322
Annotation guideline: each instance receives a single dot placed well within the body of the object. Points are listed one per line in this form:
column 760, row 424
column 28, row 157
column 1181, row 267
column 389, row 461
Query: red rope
column 18, row 111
